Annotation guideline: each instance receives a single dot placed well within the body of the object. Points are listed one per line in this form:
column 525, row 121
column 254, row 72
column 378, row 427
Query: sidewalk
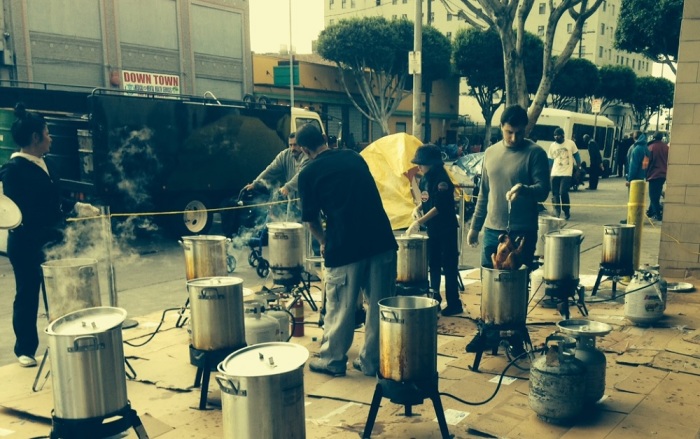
column 652, row 386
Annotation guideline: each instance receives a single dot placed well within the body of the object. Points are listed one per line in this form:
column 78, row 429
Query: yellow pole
column 635, row 215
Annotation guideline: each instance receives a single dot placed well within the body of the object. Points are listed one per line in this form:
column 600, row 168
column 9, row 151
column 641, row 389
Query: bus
column 575, row 125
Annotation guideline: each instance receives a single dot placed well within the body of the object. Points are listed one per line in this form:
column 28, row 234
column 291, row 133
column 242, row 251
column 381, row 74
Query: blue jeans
column 489, row 245
column 376, row 277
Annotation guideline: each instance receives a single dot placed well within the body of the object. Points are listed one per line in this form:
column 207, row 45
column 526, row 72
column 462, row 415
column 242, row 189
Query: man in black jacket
column 595, row 169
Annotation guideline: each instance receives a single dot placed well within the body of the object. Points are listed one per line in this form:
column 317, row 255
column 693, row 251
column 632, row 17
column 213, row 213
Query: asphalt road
column 150, row 271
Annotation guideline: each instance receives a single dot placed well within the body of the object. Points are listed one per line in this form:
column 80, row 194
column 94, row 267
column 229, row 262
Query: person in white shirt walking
column 562, row 155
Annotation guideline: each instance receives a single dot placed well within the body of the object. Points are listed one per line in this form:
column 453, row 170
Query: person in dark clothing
column 357, row 244
column 437, row 212
column 595, row 169
column 30, row 183
column 621, row 158
column 656, row 175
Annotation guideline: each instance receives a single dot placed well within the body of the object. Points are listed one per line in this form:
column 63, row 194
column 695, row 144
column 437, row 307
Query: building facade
column 170, row 46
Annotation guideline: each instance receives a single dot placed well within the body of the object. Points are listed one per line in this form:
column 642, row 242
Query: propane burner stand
column 100, row 427
column 408, row 394
column 514, row 337
column 206, row 361
column 562, row 292
column 613, row 272
column 416, row 288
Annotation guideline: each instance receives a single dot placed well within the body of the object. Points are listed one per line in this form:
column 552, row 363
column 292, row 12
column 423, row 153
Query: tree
column 577, row 80
column 652, row 28
column 478, row 57
column 650, row 95
column 617, row 85
column 373, row 52
column 508, row 15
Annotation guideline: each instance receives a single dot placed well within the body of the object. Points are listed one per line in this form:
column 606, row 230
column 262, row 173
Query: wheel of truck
column 192, row 218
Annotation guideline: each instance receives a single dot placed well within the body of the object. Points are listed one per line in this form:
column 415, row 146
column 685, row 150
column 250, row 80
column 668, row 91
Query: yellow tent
column 389, row 161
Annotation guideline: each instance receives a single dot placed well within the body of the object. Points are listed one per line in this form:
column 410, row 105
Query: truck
column 175, row 158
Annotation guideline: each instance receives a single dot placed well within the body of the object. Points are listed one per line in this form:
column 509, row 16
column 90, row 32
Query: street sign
column 414, row 63
column 595, row 105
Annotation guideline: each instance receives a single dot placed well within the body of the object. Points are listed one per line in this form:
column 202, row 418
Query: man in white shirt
column 562, row 154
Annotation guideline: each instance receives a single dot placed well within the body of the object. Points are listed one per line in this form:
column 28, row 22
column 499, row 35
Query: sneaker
column 452, row 310
column 316, row 365
column 26, row 361
column 478, row 344
column 357, row 365
column 567, row 216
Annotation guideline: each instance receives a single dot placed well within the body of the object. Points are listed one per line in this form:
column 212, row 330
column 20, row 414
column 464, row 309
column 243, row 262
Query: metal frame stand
column 206, row 361
column 513, row 336
column 564, row 291
column 407, row 394
column 100, row 427
column 614, row 274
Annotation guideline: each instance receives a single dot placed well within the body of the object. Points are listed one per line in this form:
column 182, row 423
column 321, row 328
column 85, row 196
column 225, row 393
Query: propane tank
column 557, row 383
column 259, row 328
column 645, row 298
column 282, row 318
column 585, row 332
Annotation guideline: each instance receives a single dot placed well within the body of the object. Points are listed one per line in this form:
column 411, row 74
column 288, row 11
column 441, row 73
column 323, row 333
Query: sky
column 269, row 24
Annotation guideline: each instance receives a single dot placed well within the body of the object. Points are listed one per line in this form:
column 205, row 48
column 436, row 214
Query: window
column 449, row 17
column 602, row 28
column 432, row 17
column 610, row 54
column 400, row 127
column 449, row 35
column 393, row 2
column 543, row 8
column 404, row 1
column 352, row 3
column 331, row 22
column 582, row 50
column 633, row 62
column 394, row 17
column 405, row 16
column 540, row 31
column 569, row 27
column 605, row 3
column 344, row 3
column 612, row 9
column 331, row 3
column 600, row 51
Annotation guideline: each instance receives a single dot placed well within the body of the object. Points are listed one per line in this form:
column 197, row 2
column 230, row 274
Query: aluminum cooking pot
column 412, row 258
column 205, row 256
column 562, row 253
column 216, row 306
column 87, row 363
column 504, row 296
column 71, row 284
column 618, row 246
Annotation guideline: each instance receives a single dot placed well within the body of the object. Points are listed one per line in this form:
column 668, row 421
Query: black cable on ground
column 153, row 334
column 500, row 380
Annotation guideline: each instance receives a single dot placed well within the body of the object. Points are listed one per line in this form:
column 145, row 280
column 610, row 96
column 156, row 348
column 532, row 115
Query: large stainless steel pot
column 618, row 246
column 408, row 338
column 546, row 224
column 71, row 284
column 412, row 258
column 562, row 253
column 262, row 392
column 504, row 296
column 286, row 250
column 205, row 256
column 87, row 363
column 216, row 307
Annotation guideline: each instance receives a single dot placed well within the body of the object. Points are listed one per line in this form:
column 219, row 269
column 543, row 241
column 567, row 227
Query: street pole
column 417, row 47
column 291, row 60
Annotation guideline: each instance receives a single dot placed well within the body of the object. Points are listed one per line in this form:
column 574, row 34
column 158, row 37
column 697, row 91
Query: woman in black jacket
column 32, row 186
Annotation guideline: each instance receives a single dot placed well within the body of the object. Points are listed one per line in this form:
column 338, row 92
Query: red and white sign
column 150, row 82
column 595, row 105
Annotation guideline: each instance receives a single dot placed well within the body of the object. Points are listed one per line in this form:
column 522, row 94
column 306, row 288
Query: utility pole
column 415, row 69
column 427, row 129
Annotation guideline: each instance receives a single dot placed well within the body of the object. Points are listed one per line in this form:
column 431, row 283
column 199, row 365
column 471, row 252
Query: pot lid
column 204, row 238
column 10, row 215
column 265, row 359
column 284, row 225
column 88, row 321
column 411, row 237
column 216, row 281
column 584, row 327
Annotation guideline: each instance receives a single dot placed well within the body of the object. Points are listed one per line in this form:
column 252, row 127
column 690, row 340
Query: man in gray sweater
column 514, row 178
